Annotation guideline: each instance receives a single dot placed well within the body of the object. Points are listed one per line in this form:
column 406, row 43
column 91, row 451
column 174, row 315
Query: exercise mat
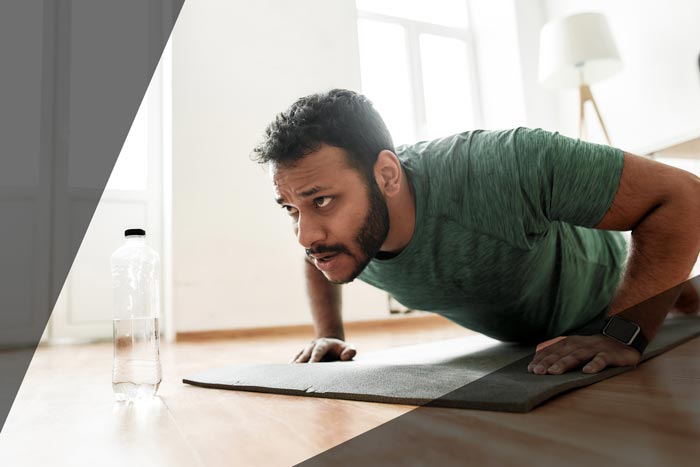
column 473, row 372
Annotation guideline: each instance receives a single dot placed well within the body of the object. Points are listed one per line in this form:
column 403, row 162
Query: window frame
column 412, row 30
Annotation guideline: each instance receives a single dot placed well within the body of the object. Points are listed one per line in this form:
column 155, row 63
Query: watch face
column 621, row 329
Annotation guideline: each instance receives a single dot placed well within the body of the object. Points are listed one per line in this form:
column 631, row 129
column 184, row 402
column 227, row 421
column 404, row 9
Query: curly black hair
column 340, row 118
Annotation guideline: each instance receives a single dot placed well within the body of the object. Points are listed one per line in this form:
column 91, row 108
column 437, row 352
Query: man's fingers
column 306, row 353
column 318, row 353
column 569, row 361
column 348, row 353
column 554, row 347
column 598, row 363
column 325, row 349
column 539, row 356
column 545, row 358
column 294, row 359
column 555, row 352
column 541, row 367
column 602, row 360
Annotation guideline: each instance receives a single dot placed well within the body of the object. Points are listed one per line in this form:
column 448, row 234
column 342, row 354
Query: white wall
column 236, row 263
column 236, row 64
column 499, row 69
column 541, row 105
column 655, row 100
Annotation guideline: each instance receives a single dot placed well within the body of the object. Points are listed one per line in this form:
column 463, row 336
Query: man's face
column 340, row 222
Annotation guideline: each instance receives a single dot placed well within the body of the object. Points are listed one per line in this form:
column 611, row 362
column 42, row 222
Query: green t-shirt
column 503, row 243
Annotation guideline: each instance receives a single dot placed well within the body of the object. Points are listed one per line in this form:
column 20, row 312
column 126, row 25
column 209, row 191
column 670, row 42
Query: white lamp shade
column 577, row 50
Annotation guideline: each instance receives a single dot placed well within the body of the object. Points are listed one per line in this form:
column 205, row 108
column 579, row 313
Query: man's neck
column 402, row 218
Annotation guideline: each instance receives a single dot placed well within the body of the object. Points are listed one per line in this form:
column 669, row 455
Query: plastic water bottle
column 136, row 371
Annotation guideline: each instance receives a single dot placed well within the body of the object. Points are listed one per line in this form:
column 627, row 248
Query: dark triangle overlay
column 73, row 77
column 435, row 434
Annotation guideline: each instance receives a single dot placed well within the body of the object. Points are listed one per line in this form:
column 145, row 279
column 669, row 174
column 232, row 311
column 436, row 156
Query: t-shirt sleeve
column 565, row 179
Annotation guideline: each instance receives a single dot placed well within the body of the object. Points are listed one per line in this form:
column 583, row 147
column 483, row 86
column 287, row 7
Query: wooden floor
column 64, row 414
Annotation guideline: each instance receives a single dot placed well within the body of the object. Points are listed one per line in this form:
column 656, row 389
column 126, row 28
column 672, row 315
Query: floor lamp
column 577, row 51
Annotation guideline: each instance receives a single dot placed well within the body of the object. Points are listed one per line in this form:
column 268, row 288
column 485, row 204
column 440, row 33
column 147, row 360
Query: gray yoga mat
column 474, row 372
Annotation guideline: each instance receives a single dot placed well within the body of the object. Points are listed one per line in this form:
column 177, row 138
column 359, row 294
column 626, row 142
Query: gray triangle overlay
column 73, row 77
column 439, row 432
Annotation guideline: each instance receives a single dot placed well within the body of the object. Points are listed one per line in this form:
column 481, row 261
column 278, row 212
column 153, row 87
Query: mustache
column 327, row 249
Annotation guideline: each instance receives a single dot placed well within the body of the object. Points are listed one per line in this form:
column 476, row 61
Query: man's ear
column 387, row 173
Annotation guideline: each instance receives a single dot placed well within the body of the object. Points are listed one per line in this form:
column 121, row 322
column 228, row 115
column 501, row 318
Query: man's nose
column 309, row 231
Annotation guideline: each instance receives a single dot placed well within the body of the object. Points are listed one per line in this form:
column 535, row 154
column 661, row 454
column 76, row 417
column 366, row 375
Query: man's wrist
column 626, row 332
column 332, row 333
column 330, row 336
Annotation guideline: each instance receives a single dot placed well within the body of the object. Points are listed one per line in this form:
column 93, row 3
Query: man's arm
column 326, row 303
column 325, row 299
column 661, row 206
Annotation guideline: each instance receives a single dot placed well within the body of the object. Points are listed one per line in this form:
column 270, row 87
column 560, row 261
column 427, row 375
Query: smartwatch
column 625, row 331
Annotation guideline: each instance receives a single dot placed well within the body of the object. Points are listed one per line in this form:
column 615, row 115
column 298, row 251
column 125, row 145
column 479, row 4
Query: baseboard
column 401, row 322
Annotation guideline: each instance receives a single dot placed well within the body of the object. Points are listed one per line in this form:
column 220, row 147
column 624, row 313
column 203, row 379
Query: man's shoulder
column 473, row 163
column 472, row 152
column 433, row 154
column 462, row 143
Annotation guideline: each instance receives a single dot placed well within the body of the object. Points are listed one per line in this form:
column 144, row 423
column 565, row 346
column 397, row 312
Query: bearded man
column 511, row 233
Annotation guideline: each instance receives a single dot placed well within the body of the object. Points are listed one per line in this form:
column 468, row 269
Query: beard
column 369, row 238
column 373, row 232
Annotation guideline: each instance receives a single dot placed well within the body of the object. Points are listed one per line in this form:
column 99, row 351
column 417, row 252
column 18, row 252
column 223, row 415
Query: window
column 418, row 66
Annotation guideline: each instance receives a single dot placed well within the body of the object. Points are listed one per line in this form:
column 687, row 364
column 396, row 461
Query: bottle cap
column 130, row 232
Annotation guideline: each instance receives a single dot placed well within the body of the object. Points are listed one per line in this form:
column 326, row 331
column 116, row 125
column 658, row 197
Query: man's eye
column 290, row 210
column 323, row 201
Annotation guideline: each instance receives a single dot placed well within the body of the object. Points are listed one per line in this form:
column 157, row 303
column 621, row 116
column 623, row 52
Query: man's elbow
column 691, row 199
column 694, row 194
column 675, row 222
column 696, row 197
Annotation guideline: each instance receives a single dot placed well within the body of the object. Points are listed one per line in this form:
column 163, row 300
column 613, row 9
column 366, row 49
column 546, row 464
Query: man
column 508, row 233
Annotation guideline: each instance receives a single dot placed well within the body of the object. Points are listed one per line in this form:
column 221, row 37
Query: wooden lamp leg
column 585, row 96
column 582, row 113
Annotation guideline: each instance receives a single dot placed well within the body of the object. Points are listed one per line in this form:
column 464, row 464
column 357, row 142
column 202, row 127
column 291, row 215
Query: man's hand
column 326, row 349
column 594, row 352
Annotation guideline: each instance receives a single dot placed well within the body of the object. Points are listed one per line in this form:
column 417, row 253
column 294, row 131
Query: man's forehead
column 294, row 177
column 323, row 158
column 317, row 170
